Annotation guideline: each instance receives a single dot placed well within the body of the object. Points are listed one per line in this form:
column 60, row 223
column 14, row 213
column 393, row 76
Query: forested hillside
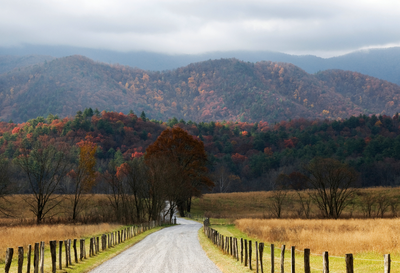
column 218, row 90
column 251, row 155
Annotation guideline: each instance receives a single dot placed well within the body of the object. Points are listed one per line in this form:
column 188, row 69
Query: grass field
column 257, row 205
column 246, row 215
column 369, row 261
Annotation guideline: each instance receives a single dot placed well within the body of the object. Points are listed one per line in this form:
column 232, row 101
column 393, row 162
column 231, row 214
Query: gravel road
column 170, row 250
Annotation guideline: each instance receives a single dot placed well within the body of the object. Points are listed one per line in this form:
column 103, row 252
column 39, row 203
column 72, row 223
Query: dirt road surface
column 171, row 250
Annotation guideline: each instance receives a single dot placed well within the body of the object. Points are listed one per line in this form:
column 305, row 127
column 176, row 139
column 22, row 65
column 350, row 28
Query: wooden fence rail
column 226, row 244
column 107, row 241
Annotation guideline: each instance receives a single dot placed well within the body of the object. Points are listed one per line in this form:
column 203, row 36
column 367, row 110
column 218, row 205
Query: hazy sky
column 318, row 27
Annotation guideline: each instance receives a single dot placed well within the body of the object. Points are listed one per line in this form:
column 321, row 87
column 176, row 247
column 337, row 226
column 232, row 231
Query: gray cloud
column 323, row 28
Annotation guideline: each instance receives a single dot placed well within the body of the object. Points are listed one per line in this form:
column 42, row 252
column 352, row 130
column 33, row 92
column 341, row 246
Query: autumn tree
column 187, row 175
column 83, row 176
column 333, row 185
column 45, row 165
column 134, row 174
column 279, row 195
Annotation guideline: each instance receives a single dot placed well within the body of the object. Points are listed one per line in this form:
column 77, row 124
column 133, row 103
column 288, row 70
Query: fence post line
column 261, row 249
column 325, row 262
column 250, row 252
column 241, row 250
column 60, row 255
column 28, row 257
column 75, row 252
column 9, row 255
column 307, row 268
column 20, row 258
column 387, row 263
column 272, row 258
column 256, row 256
column 36, row 259
column 237, row 249
column 283, row 259
column 349, row 263
column 80, row 249
column 69, row 251
column 293, row 261
column 53, row 251
column 97, row 244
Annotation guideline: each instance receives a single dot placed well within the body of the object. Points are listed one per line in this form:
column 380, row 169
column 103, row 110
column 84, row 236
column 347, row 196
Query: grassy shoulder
column 363, row 262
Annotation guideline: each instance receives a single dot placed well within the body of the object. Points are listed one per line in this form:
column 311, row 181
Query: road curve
column 170, row 250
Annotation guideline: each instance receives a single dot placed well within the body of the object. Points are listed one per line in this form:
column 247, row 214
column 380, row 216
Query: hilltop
column 225, row 89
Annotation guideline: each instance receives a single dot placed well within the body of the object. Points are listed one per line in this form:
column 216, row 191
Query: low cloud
column 322, row 28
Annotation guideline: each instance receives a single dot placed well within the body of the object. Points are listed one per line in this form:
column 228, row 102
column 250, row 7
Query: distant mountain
column 8, row 63
column 380, row 63
column 225, row 89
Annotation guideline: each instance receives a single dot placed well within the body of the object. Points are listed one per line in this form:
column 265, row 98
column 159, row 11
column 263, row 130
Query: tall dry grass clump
column 28, row 235
column 336, row 236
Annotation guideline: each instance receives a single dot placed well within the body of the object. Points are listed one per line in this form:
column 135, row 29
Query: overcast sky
column 319, row 27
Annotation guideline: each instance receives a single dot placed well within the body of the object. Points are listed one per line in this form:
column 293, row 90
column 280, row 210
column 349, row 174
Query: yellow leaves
column 325, row 112
column 281, row 72
column 159, row 98
column 305, row 102
column 312, row 105
column 126, row 85
column 190, row 80
column 378, row 123
column 146, row 77
column 178, row 91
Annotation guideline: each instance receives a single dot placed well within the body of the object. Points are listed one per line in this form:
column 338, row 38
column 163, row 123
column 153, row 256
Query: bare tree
column 332, row 183
column 45, row 166
column 367, row 204
column 5, row 186
column 382, row 204
column 223, row 178
column 279, row 195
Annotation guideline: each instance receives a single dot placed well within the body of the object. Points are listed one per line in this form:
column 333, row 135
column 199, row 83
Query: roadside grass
column 86, row 264
column 368, row 261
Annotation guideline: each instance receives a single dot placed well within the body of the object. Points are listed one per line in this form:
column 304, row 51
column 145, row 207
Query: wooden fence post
column 9, row 255
column 66, row 253
column 69, row 251
column 241, row 250
column 272, row 258
column 261, row 249
column 307, row 268
column 245, row 252
column 349, row 263
column 325, row 262
column 97, row 244
column 60, row 255
column 387, row 263
column 41, row 257
column 230, row 241
column 28, row 257
column 256, row 256
column 283, row 259
column 53, row 251
column 75, row 252
column 250, row 252
column 36, row 258
column 20, row 258
column 293, row 264
column 81, row 249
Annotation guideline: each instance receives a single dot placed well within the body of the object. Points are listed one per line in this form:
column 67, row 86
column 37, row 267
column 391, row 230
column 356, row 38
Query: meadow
column 247, row 215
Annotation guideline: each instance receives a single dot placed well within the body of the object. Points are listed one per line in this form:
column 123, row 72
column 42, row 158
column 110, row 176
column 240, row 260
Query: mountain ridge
column 211, row 90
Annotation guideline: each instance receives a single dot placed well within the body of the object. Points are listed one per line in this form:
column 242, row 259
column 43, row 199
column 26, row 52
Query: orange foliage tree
column 84, row 177
column 187, row 159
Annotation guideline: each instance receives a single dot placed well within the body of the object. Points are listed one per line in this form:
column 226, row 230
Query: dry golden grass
column 29, row 235
column 339, row 237
column 256, row 205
